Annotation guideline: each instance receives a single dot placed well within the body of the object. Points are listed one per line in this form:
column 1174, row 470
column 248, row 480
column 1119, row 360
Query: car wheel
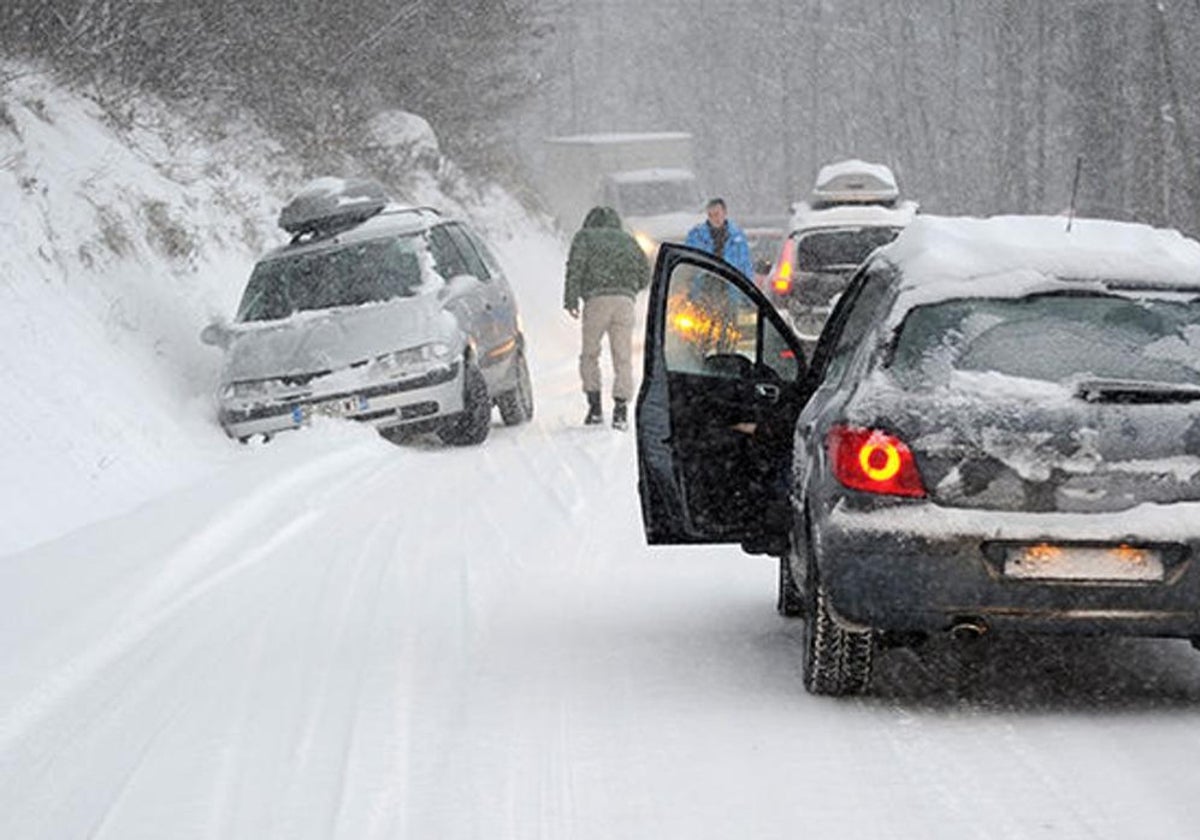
column 837, row 660
column 516, row 406
column 790, row 603
column 472, row 425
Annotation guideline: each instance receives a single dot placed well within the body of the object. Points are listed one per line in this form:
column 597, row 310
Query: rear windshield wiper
column 1135, row 391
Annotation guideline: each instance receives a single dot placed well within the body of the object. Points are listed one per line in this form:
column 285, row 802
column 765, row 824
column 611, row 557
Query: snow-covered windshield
column 839, row 250
column 1054, row 338
column 351, row 275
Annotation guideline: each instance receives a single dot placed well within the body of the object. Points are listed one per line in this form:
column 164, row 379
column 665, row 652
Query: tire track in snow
column 185, row 582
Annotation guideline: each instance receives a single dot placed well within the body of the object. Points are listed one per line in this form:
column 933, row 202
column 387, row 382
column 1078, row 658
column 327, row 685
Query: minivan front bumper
column 437, row 393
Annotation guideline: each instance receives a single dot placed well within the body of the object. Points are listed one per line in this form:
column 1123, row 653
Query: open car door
column 724, row 381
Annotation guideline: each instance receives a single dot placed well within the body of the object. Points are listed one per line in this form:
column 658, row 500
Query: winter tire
column 470, row 427
column 837, row 660
column 516, row 406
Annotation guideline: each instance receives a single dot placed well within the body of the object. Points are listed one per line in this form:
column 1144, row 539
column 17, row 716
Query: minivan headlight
column 424, row 355
column 246, row 390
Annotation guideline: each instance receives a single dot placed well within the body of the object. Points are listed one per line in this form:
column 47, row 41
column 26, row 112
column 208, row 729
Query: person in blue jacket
column 721, row 237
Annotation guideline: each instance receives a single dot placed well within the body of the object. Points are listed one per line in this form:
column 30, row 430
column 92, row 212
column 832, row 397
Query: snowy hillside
column 119, row 241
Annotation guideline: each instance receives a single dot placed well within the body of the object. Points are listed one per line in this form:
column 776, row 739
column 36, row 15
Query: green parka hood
column 602, row 217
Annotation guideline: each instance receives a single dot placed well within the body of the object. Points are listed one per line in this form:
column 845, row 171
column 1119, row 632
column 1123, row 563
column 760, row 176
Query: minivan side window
column 447, row 259
column 489, row 258
column 475, row 264
column 857, row 312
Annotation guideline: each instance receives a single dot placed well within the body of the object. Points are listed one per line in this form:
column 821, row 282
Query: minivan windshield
column 1054, row 338
column 349, row 275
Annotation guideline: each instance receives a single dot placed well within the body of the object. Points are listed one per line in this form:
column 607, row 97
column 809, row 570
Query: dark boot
column 595, row 414
column 620, row 418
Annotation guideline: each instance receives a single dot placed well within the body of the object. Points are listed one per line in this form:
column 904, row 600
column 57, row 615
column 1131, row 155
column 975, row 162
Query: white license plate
column 1046, row 561
column 339, row 408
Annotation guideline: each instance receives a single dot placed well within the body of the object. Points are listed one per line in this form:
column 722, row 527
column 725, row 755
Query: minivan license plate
column 337, row 408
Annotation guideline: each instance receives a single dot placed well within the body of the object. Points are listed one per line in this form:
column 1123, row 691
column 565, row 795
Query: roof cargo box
column 332, row 203
column 855, row 182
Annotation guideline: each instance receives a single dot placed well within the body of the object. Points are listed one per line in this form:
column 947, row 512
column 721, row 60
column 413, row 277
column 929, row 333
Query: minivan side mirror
column 216, row 334
column 456, row 286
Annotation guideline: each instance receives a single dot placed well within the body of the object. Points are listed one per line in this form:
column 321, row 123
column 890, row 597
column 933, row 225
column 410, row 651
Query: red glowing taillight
column 781, row 280
column 873, row 461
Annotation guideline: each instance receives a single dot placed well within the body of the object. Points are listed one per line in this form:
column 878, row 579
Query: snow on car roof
column 855, row 181
column 849, row 215
column 394, row 219
column 1008, row 256
column 637, row 176
column 877, row 172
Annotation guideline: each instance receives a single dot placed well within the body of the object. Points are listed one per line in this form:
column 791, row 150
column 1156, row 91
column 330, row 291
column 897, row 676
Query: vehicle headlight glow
column 646, row 243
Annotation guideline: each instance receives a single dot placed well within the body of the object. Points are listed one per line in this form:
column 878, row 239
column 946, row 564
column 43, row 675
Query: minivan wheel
column 837, row 661
column 516, row 406
column 471, row 426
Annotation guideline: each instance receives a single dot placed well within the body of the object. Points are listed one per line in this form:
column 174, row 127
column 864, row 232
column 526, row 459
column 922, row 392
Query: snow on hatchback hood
column 937, row 249
column 331, row 339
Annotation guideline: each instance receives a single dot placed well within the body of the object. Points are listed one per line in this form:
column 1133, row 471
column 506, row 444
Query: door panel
column 724, row 381
column 497, row 324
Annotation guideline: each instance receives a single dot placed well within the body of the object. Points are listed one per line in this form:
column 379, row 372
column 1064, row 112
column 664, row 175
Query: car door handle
column 767, row 391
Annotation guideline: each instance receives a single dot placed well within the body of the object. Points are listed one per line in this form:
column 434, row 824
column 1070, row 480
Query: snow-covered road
column 331, row 636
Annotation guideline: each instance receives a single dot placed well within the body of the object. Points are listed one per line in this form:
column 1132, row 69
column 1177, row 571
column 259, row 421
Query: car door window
column 448, row 260
column 473, row 261
column 714, row 329
column 777, row 354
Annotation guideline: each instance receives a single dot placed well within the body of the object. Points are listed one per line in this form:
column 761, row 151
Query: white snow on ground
column 332, row 636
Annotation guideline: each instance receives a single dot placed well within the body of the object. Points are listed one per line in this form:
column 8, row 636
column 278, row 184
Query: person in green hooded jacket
column 606, row 268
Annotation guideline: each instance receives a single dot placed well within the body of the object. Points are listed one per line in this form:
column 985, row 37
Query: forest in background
column 980, row 106
column 312, row 72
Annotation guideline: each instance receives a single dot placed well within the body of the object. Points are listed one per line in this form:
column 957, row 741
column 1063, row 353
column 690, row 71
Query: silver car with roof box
column 377, row 312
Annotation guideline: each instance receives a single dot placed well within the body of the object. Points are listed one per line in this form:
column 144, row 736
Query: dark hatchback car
column 999, row 431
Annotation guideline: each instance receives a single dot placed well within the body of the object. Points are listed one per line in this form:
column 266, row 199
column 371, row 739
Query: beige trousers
column 611, row 314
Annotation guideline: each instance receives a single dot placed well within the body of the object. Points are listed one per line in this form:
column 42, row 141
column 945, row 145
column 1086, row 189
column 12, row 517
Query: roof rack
column 424, row 208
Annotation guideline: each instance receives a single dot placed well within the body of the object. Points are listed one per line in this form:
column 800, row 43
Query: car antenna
column 1074, row 191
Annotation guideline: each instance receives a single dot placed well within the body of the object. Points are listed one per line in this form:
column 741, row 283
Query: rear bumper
column 921, row 567
column 383, row 405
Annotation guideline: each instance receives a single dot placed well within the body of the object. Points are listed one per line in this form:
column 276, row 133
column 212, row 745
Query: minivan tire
column 471, row 426
column 516, row 406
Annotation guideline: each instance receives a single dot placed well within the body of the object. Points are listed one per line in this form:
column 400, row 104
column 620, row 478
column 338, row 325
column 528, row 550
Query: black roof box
column 328, row 204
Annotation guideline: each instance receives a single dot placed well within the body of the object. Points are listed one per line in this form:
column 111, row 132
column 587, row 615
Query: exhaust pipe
column 968, row 628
